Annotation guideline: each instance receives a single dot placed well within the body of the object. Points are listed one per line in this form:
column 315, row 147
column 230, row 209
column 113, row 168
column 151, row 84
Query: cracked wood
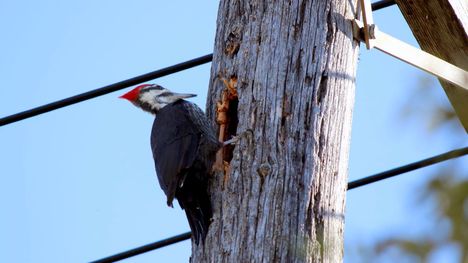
column 295, row 63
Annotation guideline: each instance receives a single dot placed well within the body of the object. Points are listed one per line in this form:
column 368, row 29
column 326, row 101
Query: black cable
column 106, row 89
column 408, row 168
column 351, row 185
column 382, row 4
column 129, row 82
column 145, row 248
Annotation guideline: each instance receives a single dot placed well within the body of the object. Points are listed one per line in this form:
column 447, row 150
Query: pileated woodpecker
column 184, row 146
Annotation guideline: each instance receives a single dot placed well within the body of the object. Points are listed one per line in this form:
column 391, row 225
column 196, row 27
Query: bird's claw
column 236, row 138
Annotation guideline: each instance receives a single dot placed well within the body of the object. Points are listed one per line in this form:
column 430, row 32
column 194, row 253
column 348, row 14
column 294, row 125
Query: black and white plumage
column 184, row 146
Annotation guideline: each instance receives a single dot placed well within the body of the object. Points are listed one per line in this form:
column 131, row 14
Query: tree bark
column 283, row 198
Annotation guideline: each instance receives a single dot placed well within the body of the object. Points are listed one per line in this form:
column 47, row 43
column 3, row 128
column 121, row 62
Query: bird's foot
column 233, row 140
column 236, row 138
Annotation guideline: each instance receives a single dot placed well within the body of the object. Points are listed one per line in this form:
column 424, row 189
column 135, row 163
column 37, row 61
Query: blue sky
column 79, row 184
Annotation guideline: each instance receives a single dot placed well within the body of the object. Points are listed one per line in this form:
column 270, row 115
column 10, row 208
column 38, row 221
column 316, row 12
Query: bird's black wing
column 175, row 142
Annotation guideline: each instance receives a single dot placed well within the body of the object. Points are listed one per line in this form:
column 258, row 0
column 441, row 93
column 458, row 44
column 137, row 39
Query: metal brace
column 368, row 33
column 412, row 55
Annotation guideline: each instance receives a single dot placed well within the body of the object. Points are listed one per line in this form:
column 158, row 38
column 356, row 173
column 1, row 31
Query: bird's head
column 152, row 97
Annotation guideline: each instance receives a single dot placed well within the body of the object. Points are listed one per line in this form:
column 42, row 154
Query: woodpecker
column 184, row 146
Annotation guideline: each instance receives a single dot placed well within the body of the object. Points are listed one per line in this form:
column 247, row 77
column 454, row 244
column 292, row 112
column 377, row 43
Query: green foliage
column 446, row 193
column 450, row 194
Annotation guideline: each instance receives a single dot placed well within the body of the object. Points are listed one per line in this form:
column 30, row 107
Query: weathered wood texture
column 441, row 28
column 284, row 198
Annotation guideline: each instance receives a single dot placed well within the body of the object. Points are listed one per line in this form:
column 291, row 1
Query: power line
column 382, row 4
column 351, row 185
column 106, row 89
column 129, row 82
column 145, row 248
column 408, row 168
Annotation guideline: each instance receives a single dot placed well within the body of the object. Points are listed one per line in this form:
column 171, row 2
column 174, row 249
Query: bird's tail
column 195, row 200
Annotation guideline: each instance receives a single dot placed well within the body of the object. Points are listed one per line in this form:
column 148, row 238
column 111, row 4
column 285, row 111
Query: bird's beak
column 182, row 95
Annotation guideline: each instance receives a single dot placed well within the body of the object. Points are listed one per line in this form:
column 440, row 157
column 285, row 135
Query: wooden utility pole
column 441, row 28
column 293, row 65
